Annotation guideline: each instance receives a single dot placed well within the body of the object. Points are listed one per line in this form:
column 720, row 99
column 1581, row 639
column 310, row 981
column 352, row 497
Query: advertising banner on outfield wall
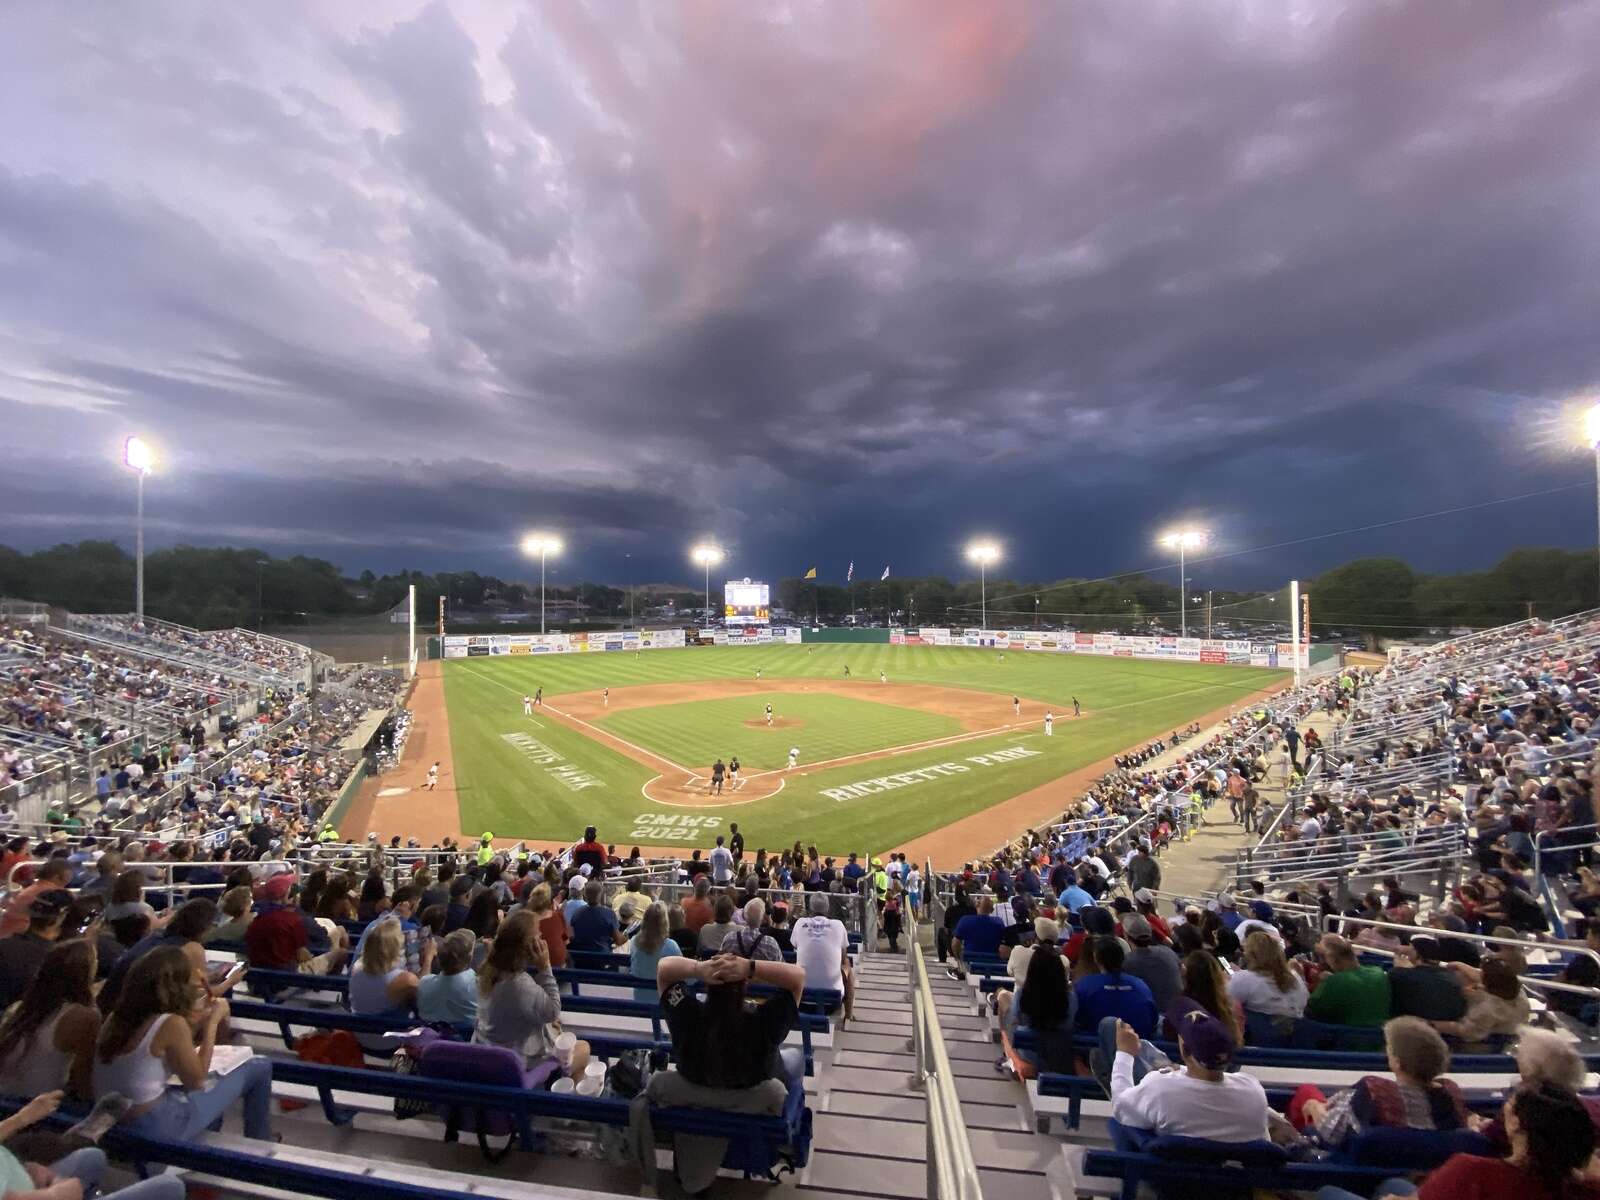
column 897, row 637
column 932, row 636
column 793, row 635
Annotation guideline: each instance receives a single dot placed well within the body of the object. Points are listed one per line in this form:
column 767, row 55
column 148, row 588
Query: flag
column 850, row 571
column 811, row 574
column 884, row 576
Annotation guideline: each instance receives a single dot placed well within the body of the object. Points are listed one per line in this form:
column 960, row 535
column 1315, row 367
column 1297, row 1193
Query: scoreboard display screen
column 745, row 603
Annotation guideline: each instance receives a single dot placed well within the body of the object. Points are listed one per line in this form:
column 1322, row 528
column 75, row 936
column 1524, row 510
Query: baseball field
column 916, row 739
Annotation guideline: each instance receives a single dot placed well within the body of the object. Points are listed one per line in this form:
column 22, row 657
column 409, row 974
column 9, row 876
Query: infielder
column 882, row 678
column 1049, row 723
column 847, row 670
column 527, row 706
column 758, row 672
column 433, row 777
column 1016, row 706
column 605, row 697
column 1077, row 709
column 794, row 756
column 769, row 714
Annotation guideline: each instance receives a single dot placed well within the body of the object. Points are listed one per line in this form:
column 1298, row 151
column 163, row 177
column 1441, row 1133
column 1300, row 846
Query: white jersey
column 819, row 946
column 1172, row 1103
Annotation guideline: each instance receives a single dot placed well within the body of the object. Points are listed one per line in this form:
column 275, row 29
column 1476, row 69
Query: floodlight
column 139, row 455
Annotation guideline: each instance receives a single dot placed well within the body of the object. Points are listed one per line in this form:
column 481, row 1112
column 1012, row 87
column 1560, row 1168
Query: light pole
column 983, row 553
column 140, row 458
column 1591, row 429
column 1185, row 540
column 628, row 558
column 707, row 554
column 544, row 545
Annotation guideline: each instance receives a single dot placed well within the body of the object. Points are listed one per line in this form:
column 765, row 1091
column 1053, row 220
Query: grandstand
column 1446, row 796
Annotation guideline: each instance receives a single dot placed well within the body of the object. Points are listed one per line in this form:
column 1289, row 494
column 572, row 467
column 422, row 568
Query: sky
column 395, row 283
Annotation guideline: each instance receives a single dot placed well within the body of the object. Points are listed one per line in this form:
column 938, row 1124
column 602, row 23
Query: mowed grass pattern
column 695, row 733
column 1127, row 701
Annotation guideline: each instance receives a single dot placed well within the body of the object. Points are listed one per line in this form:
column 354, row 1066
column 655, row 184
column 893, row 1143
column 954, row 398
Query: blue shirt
column 1123, row 996
column 979, row 934
column 1075, row 898
column 854, row 871
column 452, row 998
column 643, row 964
column 592, row 929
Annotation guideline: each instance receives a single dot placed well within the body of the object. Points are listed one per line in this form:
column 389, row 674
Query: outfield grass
column 501, row 790
column 695, row 733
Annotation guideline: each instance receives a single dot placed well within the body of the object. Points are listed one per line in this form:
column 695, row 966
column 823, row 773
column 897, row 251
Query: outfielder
column 1049, row 723
column 882, row 678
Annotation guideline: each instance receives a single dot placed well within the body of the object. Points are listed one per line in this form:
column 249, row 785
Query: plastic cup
column 589, row 1087
column 595, row 1070
column 563, row 1085
column 566, row 1044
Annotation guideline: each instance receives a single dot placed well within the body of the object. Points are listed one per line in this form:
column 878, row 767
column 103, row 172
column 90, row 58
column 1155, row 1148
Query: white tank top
column 136, row 1073
column 37, row 1067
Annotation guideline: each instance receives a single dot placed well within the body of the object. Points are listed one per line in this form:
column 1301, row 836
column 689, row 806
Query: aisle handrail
column 952, row 1173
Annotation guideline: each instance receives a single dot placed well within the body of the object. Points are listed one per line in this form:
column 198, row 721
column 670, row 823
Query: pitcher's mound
column 777, row 723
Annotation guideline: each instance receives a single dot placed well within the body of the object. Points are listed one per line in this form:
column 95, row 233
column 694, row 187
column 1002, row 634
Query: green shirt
column 1355, row 997
column 13, row 1178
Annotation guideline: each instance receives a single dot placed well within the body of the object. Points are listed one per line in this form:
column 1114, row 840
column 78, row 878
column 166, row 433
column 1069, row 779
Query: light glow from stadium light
column 1591, row 425
column 983, row 552
column 544, row 545
column 708, row 555
column 1183, row 540
column 139, row 455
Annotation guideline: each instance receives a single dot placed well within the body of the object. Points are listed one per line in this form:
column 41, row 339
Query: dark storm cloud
column 848, row 281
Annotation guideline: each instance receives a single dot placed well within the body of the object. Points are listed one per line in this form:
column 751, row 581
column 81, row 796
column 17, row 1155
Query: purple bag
column 493, row 1066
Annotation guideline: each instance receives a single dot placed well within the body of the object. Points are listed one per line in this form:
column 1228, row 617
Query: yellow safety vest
column 485, row 853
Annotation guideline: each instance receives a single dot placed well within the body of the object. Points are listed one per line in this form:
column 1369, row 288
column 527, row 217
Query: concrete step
column 910, row 1107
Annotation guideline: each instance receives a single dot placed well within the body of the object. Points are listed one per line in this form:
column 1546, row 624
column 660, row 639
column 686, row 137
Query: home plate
column 393, row 791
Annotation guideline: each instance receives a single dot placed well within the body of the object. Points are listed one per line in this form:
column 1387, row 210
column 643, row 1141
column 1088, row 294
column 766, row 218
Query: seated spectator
column 77, row 1174
column 380, row 985
column 517, row 998
column 1044, row 1003
column 1266, row 983
column 127, row 900
column 451, row 994
column 1349, row 994
column 1151, row 961
column 1495, row 1004
column 778, row 929
column 977, row 935
column 184, row 931
column 1421, row 986
column 822, row 951
column 1544, row 1056
column 51, row 876
column 552, row 924
column 1206, row 983
column 750, row 940
column 1111, row 993
column 698, row 909
column 595, row 927
column 47, row 1038
column 727, row 1052
column 237, row 915
column 960, row 906
column 1041, row 931
column 1201, row 1100
column 1418, row 1097
column 22, row 954
column 277, row 939
column 148, row 1036
column 715, row 931
column 374, row 900
column 649, row 946
column 1551, row 1139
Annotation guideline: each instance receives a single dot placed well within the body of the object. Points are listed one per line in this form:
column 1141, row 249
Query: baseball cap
column 1261, row 910
column 49, row 904
column 1144, row 896
column 1135, row 927
column 586, row 870
column 1097, row 920
column 1224, row 899
column 1046, row 930
column 276, row 889
column 1205, row 1039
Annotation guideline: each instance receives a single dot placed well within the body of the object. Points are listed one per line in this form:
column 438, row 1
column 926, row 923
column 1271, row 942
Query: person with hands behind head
column 165, row 1024
column 728, row 1050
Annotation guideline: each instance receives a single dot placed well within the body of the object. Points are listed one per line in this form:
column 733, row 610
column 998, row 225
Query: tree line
column 1377, row 597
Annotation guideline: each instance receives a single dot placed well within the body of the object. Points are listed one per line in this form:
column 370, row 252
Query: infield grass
column 503, row 789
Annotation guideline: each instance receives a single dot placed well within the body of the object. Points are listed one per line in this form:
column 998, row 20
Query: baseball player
column 758, row 672
column 605, row 697
column 769, row 714
column 882, row 678
column 1077, row 709
column 538, row 697
column 794, row 756
column 847, row 670
column 1016, row 706
column 717, row 772
column 527, row 706
column 433, row 777
column 733, row 770
column 1049, row 723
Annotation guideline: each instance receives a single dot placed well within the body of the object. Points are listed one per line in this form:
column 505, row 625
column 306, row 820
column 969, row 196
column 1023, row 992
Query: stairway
column 870, row 1123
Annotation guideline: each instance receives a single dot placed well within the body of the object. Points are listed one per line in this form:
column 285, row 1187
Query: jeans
column 1389, row 1187
column 88, row 1164
column 181, row 1116
column 1103, row 1056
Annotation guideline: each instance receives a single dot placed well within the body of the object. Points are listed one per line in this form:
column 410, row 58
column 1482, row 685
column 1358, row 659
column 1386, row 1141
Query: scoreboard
column 745, row 603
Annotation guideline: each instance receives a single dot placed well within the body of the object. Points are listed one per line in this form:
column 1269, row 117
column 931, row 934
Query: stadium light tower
column 544, row 545
column 1184, row 540
column 983, row 553
column 140, row 458
column 1591, row 431
column 708, row 555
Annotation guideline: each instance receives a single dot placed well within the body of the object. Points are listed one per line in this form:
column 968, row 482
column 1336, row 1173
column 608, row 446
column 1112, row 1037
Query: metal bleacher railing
column 952, row 1171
